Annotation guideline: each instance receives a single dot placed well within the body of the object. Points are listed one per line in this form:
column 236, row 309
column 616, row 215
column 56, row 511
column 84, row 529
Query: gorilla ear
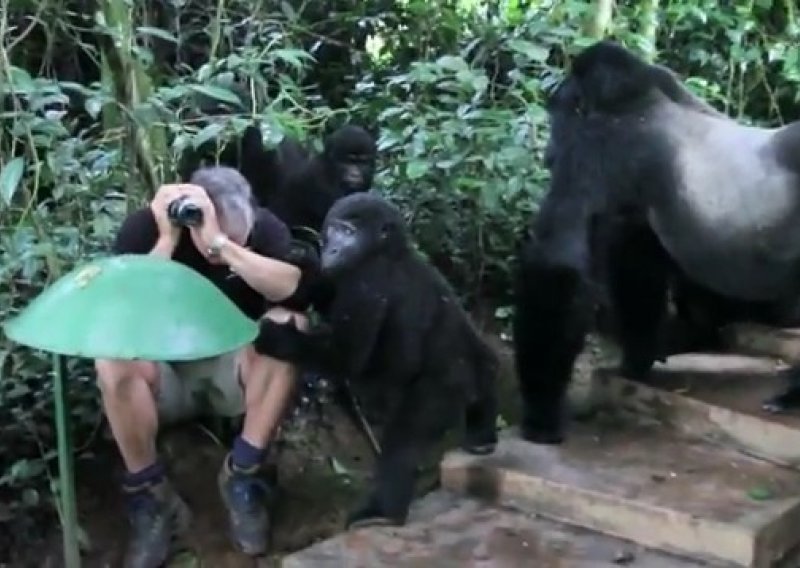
column 610, row 78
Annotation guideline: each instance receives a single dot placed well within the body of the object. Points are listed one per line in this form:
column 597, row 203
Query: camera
column 183, row 212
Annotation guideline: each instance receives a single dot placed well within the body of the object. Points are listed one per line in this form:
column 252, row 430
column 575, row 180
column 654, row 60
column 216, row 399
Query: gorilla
column 264, row 170
column 647, row 181
column 310, row 184
column 396, row 329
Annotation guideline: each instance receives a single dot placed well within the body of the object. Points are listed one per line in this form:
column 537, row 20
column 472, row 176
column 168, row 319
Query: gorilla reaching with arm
column 647, row 181
column 265, row 170
column 394, row 326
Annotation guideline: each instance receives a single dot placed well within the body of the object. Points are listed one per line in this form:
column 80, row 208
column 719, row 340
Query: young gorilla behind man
column 394, row 326
column 295, row 184
column 310, row 187
column 673, row 187
column 211, row 226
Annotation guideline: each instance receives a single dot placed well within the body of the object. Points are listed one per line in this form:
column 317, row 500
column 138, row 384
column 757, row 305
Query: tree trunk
column 648, row 23
column 600, row 21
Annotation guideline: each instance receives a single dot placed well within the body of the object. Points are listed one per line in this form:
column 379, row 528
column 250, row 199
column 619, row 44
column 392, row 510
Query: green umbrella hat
column 133, row 307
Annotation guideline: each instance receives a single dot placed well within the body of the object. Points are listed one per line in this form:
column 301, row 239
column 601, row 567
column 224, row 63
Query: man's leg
column 268, row 384
column 155, row 511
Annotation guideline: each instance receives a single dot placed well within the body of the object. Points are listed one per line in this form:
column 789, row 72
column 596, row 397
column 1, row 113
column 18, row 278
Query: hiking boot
column 158, row 517
column 246, row 495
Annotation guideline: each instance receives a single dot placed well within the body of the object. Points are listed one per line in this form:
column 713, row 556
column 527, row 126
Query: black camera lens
column 183, row 212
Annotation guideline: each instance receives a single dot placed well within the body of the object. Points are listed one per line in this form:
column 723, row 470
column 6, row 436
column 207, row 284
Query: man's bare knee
column 253, row 363
column 115, row 377
column 279, row 314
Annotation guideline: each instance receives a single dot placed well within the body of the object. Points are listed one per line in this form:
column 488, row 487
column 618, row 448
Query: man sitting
column 238, row 247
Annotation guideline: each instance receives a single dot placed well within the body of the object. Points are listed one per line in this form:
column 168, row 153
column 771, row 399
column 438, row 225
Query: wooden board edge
column 758, row 437
column 648, row 525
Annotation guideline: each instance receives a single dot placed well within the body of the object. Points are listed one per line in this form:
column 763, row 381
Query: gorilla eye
column 347, row 229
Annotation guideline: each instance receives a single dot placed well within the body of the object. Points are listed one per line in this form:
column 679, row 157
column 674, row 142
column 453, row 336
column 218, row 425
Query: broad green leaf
column 415, row 169
column 10, row 176
column 288, row 11
column 218, row 93
column 293, row 57
column 209, row 132
column 452, row 63
column 530, row 50
column 21, row 81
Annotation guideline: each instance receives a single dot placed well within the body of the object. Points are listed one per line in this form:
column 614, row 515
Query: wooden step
column 762, row 340
column 639, row 481
column 447, row 531
column 714, row 396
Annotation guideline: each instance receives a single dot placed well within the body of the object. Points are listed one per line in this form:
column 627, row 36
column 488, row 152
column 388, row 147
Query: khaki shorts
column 194, row 388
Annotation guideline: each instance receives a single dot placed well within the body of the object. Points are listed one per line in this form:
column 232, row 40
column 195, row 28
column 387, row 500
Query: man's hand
column 168, row 233
column 209, row 228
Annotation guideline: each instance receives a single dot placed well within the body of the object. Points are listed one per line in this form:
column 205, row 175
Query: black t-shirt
column 269, row 237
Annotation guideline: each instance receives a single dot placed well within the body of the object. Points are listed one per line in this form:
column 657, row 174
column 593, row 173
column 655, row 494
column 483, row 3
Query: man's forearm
column 164, row 248
column 273, row 279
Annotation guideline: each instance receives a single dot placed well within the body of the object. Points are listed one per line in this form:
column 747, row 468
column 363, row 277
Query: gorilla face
column 343, row 246
column 357, row 228
column 350, row 155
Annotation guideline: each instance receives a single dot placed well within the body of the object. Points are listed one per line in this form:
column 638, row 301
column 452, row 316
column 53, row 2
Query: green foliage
column 96, row 108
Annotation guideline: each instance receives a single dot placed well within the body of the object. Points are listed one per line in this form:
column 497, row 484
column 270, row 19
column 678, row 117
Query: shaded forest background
column 99, row 99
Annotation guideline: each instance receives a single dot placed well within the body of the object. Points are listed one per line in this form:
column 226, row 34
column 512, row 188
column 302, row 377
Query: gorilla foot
column 371, row 515
column 539, row 433
column 479, row 442
column 479, row 449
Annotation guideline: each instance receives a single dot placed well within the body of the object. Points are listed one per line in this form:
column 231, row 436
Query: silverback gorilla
column 647, row 181
column 395, row 328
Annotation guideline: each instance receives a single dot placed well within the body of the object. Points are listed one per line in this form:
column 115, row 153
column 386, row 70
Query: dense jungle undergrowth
column 98, row 99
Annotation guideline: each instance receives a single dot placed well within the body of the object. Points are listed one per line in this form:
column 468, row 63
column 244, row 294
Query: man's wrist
column 217, row 245
column 165, row 246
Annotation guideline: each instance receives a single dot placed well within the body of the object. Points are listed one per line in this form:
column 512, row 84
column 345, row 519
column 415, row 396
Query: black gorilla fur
column 701, row 315
column 647, row 182
column 395, row 328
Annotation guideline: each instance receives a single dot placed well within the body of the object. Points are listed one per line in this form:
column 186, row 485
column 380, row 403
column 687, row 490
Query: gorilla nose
column 328, row 255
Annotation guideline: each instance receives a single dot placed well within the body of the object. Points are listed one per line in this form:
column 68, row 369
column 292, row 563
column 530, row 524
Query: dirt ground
column 322, row 461
column 322, row 469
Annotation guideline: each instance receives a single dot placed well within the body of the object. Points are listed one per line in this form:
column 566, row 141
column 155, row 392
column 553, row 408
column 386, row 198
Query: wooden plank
column 447, row 532
column 717, row 397
column 642, row 483
column 762, row 340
